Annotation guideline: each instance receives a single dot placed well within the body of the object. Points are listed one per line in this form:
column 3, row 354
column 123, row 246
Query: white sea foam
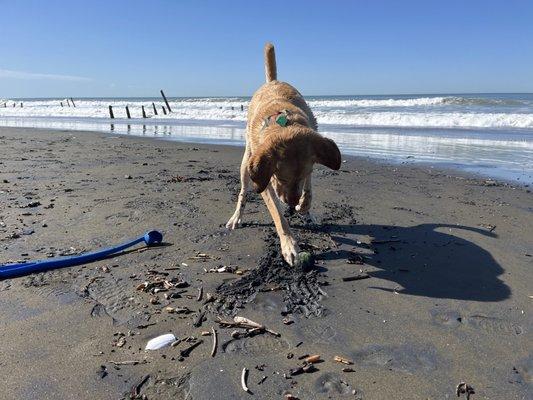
column 416, row 112
column 429, row 120
column 421, row 101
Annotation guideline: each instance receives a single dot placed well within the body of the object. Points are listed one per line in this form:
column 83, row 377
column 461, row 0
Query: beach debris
column 161, row 284
column 357, row 277
column 489, row 227
column 160, row 341
column 464, row 388
column 289, row 396
column 348, row 370
column 102, row 371
column 202, row 256
column 128, row 362
column 225, row 269
column 200, row 293
column 156, row 272
column 136, row 388
column 31, row 204
column 287, row 320
column 248, row 322
column 263, row 378
column 121, row 341
column 144, row 326
column 245, row 323
column 209, row 298
column 178, row 310
column 187, row 351
column 244, row 376
column 173, row 295
column 342, row 360
column 199, row 319
column 214, row 348
column 312, row 359
column 305, row 369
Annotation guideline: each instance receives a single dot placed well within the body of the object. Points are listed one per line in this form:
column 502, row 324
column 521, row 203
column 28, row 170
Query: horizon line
column 244, row 96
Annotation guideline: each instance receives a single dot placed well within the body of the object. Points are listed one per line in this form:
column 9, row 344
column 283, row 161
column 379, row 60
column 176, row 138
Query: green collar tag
column 281, row 120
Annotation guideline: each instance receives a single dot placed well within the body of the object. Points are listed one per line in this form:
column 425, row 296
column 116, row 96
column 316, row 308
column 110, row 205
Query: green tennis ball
column 305, row 259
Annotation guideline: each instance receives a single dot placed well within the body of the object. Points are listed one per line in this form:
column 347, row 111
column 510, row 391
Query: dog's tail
column 270, row 63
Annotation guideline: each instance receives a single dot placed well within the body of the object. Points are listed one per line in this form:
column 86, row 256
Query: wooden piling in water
column 144, row 112
column 155, row 109
column 164, row 111
column 68, row 102
column 21, row 104
column 166, row 101
column 242, row 107
column 72, row 101
column 128, row 112
column 111, row 115
column 61, row 103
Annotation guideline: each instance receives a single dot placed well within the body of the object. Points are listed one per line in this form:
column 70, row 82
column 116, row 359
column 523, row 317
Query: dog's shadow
column 423, row 260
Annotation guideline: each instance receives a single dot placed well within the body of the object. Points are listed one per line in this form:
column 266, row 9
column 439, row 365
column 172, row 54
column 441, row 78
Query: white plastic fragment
column 160, row 341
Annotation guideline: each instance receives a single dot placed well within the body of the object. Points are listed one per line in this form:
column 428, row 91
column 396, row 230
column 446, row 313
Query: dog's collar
column 281, row 118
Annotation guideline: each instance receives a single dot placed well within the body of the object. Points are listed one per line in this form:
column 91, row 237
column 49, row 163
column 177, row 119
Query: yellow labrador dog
column 282, row 144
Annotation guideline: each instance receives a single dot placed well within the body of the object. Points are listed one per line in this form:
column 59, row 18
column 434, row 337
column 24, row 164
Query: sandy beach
column 422, row 278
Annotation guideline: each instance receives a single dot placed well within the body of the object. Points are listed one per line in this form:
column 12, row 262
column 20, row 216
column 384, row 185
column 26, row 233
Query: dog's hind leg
column 235, row 220
column 289, row 246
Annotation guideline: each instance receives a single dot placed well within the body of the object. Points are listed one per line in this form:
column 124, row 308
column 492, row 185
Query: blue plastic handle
column 13, row 270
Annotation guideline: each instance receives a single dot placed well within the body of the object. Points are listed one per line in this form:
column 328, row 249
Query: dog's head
column 288, row 158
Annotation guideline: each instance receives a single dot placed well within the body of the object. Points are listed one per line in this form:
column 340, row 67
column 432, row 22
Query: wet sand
column 447, row 297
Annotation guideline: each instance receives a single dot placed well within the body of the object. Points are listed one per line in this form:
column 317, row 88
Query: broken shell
column 342, row 360
column 313, row 359
column 246, row 321
column 160, row 341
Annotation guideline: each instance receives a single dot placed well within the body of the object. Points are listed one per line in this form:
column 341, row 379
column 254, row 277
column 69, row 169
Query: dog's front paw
column 234, row 221
column 289, row 250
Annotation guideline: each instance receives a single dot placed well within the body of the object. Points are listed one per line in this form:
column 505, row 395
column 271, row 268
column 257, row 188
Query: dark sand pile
column 422, row 278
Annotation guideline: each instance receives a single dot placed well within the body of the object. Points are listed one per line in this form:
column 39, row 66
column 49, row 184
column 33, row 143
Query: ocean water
column 490, row 134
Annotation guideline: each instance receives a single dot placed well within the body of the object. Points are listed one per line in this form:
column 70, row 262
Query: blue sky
column 205, row 48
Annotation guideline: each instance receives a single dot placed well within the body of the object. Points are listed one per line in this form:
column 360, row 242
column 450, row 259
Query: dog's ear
column 326, row 151
column 261, row 167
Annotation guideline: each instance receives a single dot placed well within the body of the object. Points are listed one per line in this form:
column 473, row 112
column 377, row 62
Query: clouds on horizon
column 12, row 74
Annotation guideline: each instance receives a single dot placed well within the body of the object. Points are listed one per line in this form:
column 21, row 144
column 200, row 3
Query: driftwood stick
column 185, row 352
